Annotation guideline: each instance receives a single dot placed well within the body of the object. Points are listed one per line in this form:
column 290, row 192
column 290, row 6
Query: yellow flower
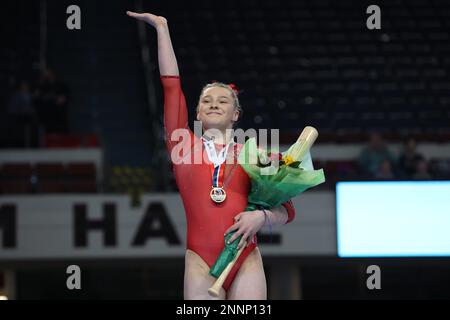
column 288, row 160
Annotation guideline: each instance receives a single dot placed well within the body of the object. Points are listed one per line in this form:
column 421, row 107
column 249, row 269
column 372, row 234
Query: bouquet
column 276, row 178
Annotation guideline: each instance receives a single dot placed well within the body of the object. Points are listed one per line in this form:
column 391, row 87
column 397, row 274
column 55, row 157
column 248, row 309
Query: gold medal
column 218, row 194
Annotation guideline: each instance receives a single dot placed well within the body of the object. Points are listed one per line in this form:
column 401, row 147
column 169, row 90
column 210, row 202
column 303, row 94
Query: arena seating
column 48, row 177
column 301, row 66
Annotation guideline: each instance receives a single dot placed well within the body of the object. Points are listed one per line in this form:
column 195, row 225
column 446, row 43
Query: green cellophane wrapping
column 271, row 186
column 226, row 256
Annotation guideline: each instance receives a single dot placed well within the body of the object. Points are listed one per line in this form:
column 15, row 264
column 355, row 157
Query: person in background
column 385, row 171
column 372, row 157
column 409, row 159
column 51, row 100
column 22, row 115
column 422, row 172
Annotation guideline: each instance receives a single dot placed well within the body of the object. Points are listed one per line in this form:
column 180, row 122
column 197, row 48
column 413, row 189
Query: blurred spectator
column 384, row 172
column 22, row 115
column 422, row 171
column 374, row 155
column 51, row 100
column 407, row 162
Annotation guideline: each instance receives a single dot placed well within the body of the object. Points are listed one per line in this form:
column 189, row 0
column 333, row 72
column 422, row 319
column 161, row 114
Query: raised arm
column 166, row 56
column 175, row 110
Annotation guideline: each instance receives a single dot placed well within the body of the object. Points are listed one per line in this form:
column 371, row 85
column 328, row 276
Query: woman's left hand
column 247, row 224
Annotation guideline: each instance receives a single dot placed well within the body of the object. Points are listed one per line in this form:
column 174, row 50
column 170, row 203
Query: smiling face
column 217, row 108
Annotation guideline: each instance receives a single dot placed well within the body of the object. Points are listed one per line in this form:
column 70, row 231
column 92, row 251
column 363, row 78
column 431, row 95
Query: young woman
column 209, row 217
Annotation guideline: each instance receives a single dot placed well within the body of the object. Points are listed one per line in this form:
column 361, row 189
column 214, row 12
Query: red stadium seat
column 81, row 170
column 90, row 140
column 55, row 140
column 50, row 170
column 16, row 178
column 51, row 186
column 82, row 177
column 16, row 170
column 21, row 186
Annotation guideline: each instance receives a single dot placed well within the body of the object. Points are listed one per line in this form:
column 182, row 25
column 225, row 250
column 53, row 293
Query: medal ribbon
column 216, row 167
column 217, row 173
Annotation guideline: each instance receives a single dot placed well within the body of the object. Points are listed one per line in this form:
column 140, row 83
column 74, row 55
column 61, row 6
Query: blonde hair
column 237, row 105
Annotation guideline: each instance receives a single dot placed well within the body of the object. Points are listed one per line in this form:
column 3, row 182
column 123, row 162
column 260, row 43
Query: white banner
column 106, row 226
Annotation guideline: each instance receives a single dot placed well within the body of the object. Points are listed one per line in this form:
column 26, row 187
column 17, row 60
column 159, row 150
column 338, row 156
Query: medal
column 217, row 193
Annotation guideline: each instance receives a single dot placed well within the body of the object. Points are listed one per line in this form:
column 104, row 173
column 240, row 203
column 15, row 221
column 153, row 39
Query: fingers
column 243, row 240
column 240, row 229
column 233, row 227
column 132, row 14
column 235, row 236
column 139, row 16
column 239, row 216
column 135, row 15
column 236, row 218
column 148, row 18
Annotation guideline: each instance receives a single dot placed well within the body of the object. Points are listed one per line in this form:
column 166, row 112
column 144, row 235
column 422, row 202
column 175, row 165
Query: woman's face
column 216, row 109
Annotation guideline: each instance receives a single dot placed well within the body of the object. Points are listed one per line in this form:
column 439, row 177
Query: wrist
column 162, row 27
column 267, row 221
column 260, row 219
column 265, row 216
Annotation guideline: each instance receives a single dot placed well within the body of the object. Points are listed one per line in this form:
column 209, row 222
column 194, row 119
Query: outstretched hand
column 149, row 18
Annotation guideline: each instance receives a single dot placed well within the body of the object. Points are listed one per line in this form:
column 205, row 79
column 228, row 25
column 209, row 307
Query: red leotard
column 206, row 220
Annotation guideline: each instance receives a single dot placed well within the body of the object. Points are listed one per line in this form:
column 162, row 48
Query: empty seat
column 61, row 141
column 51, row 186
column 20, row 186
column 16, row 170
column 53, row 170
column 81, row 170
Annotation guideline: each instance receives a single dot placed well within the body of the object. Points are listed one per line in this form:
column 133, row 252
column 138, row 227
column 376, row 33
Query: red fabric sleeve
column 290, row 210
column 175, row 110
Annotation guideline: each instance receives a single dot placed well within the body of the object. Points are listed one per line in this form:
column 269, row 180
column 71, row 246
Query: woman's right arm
column 175, row 110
